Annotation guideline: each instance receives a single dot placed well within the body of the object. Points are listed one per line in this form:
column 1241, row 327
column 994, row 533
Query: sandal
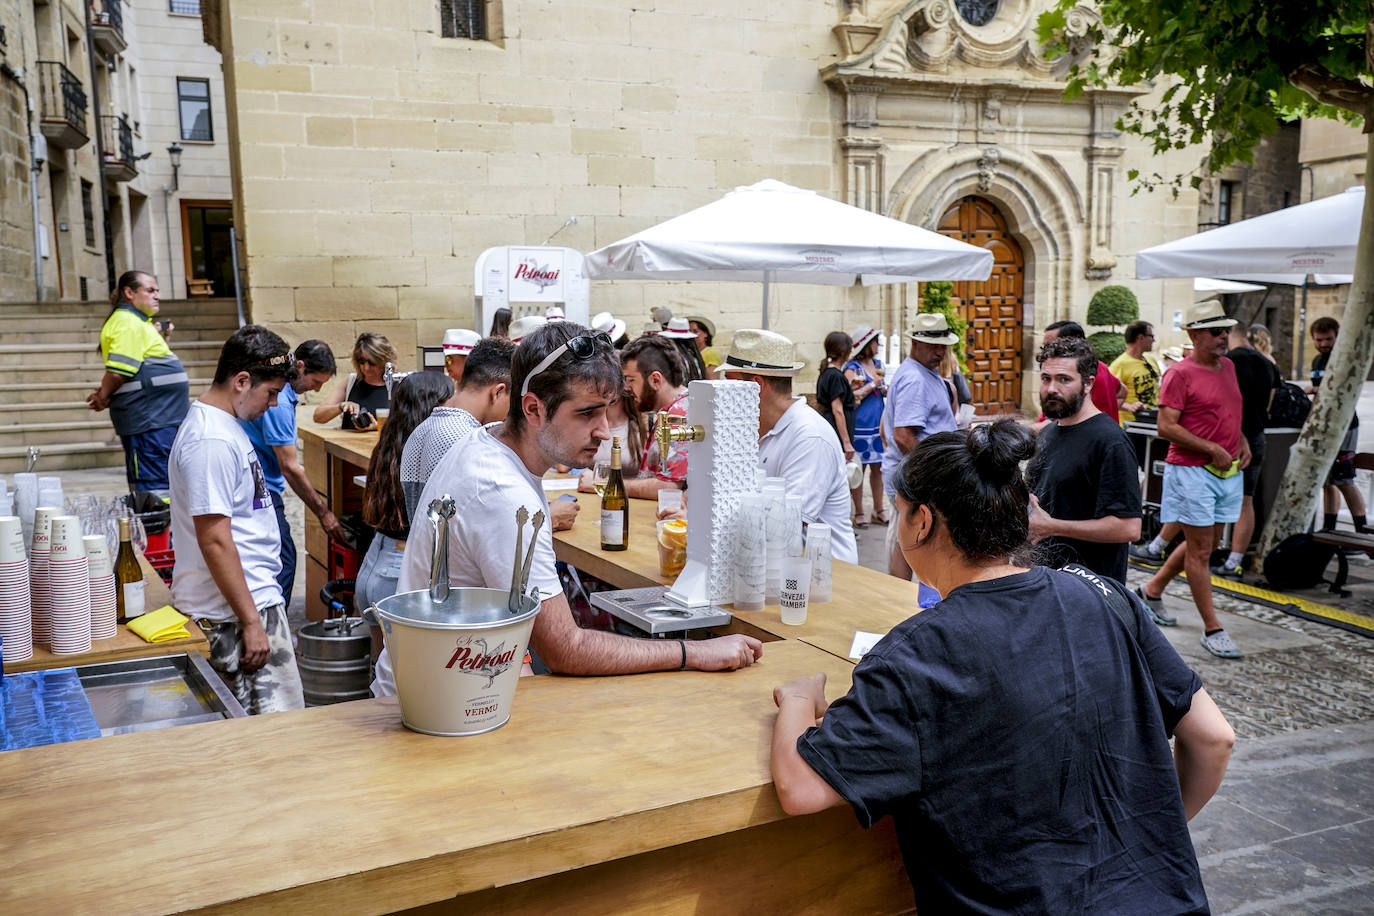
column 880, row 518
column 859, row 520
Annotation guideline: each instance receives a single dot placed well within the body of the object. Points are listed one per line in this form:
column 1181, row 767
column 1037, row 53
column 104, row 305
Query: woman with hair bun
column 1018, row 731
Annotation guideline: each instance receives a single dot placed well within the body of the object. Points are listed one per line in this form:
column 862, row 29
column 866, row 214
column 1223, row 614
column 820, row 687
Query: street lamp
column 174, row 153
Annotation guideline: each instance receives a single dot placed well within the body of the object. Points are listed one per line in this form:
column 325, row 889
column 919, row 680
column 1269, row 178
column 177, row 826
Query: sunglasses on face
column 582, row 347
column 1217, row 332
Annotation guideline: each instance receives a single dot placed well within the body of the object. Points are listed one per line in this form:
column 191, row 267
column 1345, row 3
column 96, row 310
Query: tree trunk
column 1316, row 448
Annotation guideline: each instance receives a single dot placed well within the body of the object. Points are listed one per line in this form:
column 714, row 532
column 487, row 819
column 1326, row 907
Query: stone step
column 92, row 429
column 74, row 358
column 63, row 457
column 216, row 306
column 22, row 329
column 39, row 395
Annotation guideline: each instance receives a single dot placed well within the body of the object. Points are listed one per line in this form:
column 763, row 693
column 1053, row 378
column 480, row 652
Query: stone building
column 381, row 146
column 123, row 81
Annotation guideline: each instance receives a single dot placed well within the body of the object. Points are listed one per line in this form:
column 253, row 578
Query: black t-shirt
column 1087, row 470
column 368, row 397
column 1018, row 734
column 1319, row 372
column 1258, row 378
column 832, row 384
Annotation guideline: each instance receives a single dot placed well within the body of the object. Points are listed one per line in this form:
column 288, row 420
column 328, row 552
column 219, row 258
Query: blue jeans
column 145, row 458
column 287, row 577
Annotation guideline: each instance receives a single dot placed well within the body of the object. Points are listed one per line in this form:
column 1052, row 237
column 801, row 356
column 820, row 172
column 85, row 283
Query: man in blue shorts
column 1200, row 416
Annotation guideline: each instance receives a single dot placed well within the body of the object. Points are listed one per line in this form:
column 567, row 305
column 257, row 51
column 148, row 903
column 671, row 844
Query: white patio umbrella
column 771, row 232
column 1211, row 285
column 1285, row 246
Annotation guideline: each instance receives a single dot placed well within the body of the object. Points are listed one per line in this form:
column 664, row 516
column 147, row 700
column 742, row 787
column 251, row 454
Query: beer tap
column 387, row 376
column 669, row 429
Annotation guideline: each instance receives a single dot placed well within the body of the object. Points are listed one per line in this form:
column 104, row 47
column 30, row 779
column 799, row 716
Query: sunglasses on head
column 583, row 346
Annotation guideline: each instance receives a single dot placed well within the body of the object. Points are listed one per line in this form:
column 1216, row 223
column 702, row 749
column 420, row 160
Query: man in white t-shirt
column 228, row 549
column 794, row 442
column 563, row 378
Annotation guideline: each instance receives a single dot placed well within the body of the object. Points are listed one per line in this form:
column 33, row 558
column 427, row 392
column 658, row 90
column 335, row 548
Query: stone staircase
column 50, row 361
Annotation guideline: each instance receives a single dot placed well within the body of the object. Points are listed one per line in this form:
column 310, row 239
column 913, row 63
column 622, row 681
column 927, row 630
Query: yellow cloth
column 127, row 339
column 712, row 358
column 163, row 625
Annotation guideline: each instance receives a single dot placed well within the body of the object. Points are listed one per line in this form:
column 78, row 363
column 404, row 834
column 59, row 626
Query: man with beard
column 563, row 378
column 655, row 377
column 1200, row 415
column 1085, row 490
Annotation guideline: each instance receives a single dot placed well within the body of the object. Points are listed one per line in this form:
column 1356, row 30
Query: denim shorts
column 1197, row 497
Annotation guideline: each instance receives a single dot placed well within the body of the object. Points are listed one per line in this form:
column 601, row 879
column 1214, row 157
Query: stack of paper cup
column 39, row 554
column 104, row 612
column 16, row 625
column 69, row 587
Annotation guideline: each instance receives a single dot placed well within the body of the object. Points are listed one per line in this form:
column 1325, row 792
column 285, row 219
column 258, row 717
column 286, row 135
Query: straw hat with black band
column 1209, row 313
column 932, row 328
column 861, row 336
column 756, row 352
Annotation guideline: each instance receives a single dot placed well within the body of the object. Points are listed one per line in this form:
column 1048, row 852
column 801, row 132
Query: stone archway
column 992, row 307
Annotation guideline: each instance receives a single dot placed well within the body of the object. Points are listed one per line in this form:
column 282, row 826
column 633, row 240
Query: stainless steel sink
column 142, row 694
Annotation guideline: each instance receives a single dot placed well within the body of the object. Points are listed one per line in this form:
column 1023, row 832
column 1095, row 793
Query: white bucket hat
column 762, row 353
column 524, row 325
column 932, row 328
column 460, row 341
column 679, row 329
column 861, row 336
column 1209, row 313
column 605, row 321
column 555, row 313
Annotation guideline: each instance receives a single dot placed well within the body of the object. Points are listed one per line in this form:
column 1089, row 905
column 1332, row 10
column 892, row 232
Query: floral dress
column 868, row 440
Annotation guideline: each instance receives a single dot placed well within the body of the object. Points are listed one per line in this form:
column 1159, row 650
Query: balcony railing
column 118, row 139
column 62, row 105
column 107, row 26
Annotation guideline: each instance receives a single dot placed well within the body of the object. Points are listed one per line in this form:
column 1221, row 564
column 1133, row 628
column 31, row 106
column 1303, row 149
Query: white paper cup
column 11, row 540
column 795, row 590
column 42, row 528
column 98, row 553
column 64, row 539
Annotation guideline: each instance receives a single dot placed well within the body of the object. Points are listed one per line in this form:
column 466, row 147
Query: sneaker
column 1156, row 608
column 1221, row 644
column 1228, row 572
column 1144, row 554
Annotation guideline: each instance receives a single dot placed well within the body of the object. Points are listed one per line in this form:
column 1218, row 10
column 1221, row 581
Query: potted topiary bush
column 1111, row 306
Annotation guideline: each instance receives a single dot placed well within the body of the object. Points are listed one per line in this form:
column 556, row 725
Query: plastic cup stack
column 39, row 555
column 776, row 498
column 50, row 492
column 104, row 611
column 795, row 545
column 6, row 501
column 751, row 553
column 818, row 552
column 16, row 622
column 69, row 588
column 25, row 499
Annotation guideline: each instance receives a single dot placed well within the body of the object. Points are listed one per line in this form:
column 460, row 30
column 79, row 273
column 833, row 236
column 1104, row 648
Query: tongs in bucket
column 440, row 511
column 520, row 572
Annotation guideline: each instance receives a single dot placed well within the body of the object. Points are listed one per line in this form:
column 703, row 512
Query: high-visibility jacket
column 156, row 391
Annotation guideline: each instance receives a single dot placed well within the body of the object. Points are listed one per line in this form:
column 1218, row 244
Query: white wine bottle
column 128, row 577
column 615, row 507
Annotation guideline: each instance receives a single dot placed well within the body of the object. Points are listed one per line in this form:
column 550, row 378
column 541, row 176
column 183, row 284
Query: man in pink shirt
column 1200, row 414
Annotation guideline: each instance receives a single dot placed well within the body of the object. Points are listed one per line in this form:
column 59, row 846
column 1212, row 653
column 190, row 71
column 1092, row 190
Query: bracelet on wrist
column 682, row 644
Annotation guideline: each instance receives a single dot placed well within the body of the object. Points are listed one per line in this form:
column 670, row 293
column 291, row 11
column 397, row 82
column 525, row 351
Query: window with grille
column 193, row 104
column 88, row 213
column 185, row 7
column 463, row 19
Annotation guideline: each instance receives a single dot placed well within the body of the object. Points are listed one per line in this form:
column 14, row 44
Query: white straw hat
column 524, row 325
column 554, row 313
column 932, row 328
column 756, row 352
column 861, row 336
column 1209, row 313
column 460, row 341
column 680, row 329
column 605, row 321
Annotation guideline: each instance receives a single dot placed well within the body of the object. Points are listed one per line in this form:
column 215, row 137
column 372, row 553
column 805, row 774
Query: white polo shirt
column 802, row 449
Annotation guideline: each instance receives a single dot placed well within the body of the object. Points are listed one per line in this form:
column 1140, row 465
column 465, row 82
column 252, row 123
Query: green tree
column 935, row 298
column 1111, row 306
column 1233, row 70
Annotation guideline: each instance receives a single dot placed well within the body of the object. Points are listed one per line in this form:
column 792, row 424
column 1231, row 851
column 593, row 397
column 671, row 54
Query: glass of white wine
column 600, row 475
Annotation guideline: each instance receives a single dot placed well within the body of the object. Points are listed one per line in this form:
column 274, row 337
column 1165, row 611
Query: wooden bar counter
column 332, row 458
column 647, row 793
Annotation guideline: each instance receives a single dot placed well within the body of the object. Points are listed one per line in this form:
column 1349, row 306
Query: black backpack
column 1298, row 562
column 1290, row 406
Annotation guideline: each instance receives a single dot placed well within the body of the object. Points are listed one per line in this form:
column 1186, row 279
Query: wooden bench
column 1348, row 540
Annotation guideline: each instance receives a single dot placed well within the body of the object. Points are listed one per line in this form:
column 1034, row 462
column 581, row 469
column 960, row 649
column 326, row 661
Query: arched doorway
column 992, row 308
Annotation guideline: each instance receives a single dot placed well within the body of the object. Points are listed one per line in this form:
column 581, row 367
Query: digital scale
column 647, row 609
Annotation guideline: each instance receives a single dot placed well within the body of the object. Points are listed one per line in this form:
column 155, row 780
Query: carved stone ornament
column 929, row 35
column 1101, row 262
column 987, row 168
